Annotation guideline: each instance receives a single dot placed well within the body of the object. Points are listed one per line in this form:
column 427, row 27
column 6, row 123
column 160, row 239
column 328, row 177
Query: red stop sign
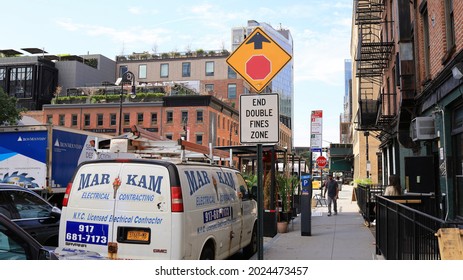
column 258, row 67
column 321, row 161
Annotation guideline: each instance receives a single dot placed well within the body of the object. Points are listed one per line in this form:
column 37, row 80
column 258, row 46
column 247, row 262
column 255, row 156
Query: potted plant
column 284, row 184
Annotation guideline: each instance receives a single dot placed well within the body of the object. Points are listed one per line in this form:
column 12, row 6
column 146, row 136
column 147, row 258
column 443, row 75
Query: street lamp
column 127, row 76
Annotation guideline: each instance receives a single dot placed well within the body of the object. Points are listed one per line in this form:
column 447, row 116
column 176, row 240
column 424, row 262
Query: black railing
column 406, row 227
column 365, row 196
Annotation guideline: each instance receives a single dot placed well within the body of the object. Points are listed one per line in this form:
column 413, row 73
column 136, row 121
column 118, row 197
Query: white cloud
column 135, row 10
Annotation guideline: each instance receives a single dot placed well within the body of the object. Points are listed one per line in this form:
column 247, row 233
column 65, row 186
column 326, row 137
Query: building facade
column 346, row 115
column 201, row 119
column 412, row 51
column 35, row 79
column 32, row 80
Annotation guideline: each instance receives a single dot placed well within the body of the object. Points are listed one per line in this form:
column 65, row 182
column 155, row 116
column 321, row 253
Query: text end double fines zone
column 259, row 119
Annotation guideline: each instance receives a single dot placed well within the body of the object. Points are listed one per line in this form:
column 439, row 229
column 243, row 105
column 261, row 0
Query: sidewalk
column 340, row 237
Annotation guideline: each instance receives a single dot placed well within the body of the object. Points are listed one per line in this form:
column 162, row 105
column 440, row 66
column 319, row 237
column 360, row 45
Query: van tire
column 207, row 253
column 251, row 248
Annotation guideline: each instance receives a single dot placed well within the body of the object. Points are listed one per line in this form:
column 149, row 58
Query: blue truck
column 44, row 157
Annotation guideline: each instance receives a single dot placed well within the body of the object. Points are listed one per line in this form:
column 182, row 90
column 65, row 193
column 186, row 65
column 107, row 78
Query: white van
column 151, row 209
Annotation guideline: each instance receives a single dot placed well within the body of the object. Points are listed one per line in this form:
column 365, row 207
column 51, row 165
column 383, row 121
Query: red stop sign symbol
column 321, row 161
column 258, row 67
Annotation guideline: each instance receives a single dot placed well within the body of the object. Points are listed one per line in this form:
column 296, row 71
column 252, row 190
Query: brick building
column 200, row 119
column 408, row 81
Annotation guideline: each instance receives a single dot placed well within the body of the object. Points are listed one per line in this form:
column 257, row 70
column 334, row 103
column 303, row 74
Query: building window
column 123, row 69
column 154, row 118
column 126, row 118
column 99, row 119
column 449, row 24
column 140, row 118
column 186, row 67
column 169, row 136
column 164, row 70
column 21, row 82
column 61, row 120
column 74, row 120
column 50, row 119
column 112, row 119
column 199, row 139
column 231, row 91
column 209, row 88
column 218, row 121
column 185, row 117
column 86, row 120
column 199, row 116
column 169, row 116
column 209, row 68
column 426, row 46
column 142, row 71
column 231, row 73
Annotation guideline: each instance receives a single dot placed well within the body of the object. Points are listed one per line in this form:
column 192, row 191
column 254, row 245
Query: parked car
column 17, row 244
column 31, row 212
column 316, row 183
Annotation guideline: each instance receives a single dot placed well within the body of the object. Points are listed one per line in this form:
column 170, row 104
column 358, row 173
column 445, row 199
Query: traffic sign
column 258, row 59
column 321, row 161
column 259, row 118
column 305, row 180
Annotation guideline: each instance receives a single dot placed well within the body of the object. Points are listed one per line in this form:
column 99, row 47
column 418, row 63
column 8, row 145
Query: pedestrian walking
column 332, row 189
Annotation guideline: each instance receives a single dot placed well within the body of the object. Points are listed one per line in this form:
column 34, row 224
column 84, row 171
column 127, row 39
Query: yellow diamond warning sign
column 258, row 59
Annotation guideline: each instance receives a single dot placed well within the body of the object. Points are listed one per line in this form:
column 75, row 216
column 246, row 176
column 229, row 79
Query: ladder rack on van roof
column 140, row 143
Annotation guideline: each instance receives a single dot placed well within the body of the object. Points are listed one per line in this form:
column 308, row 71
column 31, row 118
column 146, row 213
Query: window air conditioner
column 423, row 128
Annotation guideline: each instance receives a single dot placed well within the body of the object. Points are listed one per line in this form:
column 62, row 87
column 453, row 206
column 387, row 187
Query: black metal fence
column 406, row 227
column 366, row 197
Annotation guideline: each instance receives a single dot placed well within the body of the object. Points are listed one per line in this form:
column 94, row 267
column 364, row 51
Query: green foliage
column 150, row 94
column 99, row 98
column 286, row 185
column 251, row 179
column 9, row 113
column 92, row 62
column 70, row 99
column 363, row 181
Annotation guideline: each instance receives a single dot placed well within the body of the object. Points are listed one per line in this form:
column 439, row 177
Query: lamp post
column 127, row 76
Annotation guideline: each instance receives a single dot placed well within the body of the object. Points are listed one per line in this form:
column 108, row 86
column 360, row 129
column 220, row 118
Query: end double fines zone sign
column 259, row 118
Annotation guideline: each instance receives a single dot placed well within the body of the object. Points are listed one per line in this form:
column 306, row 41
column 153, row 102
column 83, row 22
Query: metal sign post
column 257, row 60
column 260, row 204
column 259, row 123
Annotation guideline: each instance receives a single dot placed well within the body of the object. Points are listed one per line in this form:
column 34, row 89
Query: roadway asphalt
column 339, row 237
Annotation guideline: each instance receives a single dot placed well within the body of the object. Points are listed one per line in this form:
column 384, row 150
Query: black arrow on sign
column 258, row 39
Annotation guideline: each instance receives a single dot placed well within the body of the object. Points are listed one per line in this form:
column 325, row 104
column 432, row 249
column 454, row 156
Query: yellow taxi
column 316, row 183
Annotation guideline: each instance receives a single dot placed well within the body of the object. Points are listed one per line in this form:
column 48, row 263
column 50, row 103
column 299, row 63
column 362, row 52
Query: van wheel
column 207, row 253
column 251, row 249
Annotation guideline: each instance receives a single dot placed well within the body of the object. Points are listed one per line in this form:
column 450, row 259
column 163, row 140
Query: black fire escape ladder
column 373, row 55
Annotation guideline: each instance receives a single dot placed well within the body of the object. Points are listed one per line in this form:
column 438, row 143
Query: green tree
column 9, row 113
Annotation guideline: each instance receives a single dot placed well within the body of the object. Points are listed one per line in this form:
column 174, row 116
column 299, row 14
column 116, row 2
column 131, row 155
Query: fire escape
column 373, row 56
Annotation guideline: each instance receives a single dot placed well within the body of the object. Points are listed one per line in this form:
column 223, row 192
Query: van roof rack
column 141, row 143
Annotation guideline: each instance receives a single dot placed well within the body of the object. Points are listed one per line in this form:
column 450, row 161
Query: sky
column 321, row 32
